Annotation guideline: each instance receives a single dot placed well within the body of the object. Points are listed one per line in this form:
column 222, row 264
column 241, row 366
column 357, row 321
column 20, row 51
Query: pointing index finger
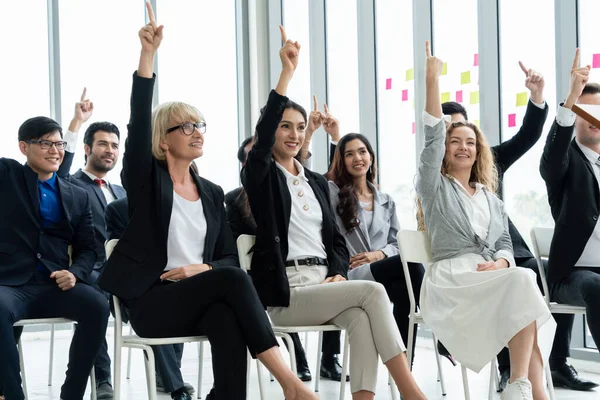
column 315, row 103
column 427, row 48
column 523, row 68
column 283, row 34
column 150, row 13
column 84, row 94
column 576, row 60
column 325, row 108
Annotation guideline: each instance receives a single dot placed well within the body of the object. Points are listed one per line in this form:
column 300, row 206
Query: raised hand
column 534, row 81
column 289, row 52
column 315, row 118
column 331, row 124
column 433, row 65
column 433, row 70
column 84, row 108
column 579, row 78
column 151, row 34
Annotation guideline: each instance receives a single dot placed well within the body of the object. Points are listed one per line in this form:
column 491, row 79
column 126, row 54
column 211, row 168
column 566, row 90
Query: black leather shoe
column 566, row 376
column 331, row 368
column 182, row 396
column 504, row 377
column 104, row 390
column 302, row 369
column 186, row 385
column 445, row 353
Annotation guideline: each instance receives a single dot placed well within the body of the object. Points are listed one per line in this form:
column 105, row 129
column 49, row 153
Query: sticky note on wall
column 459, row 96
column 405, row 95
column 410, row 74
column 414, row 128
column 596, row 61
column 474, row 97
column 522, row 99
column 444, row 69
column 476, row 60
column 465, row 77
column 388, row 83
column 512, row 120
column 445, row 97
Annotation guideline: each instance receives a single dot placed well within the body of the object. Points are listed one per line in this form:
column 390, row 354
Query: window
column 197, row 65
column 524, row 190
column 342, row 64
column 24, row 70
column 588, row 36
column 455, row 42
column 395, row 100
column 103, row 60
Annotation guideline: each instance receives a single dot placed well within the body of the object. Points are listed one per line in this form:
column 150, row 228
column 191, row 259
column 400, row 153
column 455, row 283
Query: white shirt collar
column 94, row 177
column 588, row 153
column 289, row 175
column 478, row 186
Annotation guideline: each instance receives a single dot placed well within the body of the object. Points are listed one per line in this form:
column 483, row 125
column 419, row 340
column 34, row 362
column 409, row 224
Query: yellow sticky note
column 522, row 99
column 475, row 97
column 465, row 77
column 445, row 97
column 444, row 69
column 410, row 74
column 476, row 122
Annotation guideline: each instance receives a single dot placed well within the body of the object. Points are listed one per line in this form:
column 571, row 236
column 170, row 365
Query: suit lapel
column 31, row 179
column 590, row 169
column 286, row 198
column 66, row 197
column 97, row 191
column 117, row 191
column 210, row 214
column 378, row 213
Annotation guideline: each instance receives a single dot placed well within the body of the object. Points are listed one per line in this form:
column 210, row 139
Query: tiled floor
column 36, row 349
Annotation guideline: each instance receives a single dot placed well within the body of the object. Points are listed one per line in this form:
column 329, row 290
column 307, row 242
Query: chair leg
column 393, row 387
column 51, row 359
column 411, row 339
column 128, row 376
column 318, row 367
column 22, row 362
column 439, row 366
column 200, row 368
column 493, row 375
column 549, row 382
column 345, row 358
column 261, row 388
column 150, row 372
column 117, row 367
column 93, row 383
column 465, row 383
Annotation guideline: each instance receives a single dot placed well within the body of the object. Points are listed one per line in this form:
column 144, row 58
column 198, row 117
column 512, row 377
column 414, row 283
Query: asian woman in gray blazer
column 367, row 219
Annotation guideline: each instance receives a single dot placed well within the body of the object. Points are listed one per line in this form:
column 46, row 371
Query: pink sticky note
column 414, row 128
column 388, row 83
column 596, row 61
column 405, row 95
column 459, row 96
column 476, row 60
column 512, row 120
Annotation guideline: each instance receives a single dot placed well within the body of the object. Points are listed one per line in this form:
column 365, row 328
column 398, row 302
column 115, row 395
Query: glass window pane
column 296, row 23
column 103, row 60
column 24, row 69
column 395, row 101
column 588, row 36
column 524, row 190
column 455, row 42
column 197, row 64
column 342, row 64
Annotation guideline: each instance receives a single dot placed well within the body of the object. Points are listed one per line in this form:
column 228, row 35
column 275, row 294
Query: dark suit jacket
column 23, row 239
column 140, row 256
column 574, row 199
column 507, row 153
column 97, row 201
column 116, row 218
column 271, row 205
column 239, row 224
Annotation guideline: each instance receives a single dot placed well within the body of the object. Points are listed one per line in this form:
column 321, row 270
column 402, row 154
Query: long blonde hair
column 483, row 171
column 165, row 114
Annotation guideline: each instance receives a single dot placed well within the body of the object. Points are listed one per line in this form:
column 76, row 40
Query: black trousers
column 564, row 325
column 581, row 288
column 168, row 366
column 42, row 298
column 221, row 304
column 390, row 274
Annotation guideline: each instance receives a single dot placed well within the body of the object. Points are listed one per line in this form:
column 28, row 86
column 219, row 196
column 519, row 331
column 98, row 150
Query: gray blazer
column 448, row 225
column 381, row 235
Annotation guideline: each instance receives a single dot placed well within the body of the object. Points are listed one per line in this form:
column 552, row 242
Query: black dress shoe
column 566, row 376
column 331, row 368
column 302, row 369
column 445, row 353
column 182, row 396
column 104, row 390
column 504, row 377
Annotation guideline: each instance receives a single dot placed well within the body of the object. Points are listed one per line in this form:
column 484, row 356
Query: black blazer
column 271, row 205
column 24, row 241
column 239, row 224
column 507, row 153
column 573, row 196
column 116, row 218
column 140, row 256
column 97, row 202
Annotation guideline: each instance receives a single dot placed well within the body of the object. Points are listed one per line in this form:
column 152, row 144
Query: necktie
column 100, row 182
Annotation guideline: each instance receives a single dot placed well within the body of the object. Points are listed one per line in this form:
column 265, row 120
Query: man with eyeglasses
column 44, row 219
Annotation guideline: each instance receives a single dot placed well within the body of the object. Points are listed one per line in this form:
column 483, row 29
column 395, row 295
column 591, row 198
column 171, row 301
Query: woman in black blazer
column 300, row 259
column 205, row 292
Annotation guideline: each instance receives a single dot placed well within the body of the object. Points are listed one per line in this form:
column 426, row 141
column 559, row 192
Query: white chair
column 541, row 239
column 51, row 322
column 136, row 342
column 244, row 245
column 415, row 247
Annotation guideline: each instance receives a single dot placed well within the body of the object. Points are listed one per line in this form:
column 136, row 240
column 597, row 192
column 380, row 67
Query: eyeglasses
column 188, row 128
column 46, row 144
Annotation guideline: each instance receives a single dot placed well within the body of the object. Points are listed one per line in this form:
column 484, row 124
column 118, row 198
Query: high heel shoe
column 443, row 351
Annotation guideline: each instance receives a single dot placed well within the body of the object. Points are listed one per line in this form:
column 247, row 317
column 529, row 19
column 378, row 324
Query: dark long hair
column 347, row 207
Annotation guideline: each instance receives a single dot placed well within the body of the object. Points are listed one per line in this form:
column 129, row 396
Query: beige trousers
column 362, row 308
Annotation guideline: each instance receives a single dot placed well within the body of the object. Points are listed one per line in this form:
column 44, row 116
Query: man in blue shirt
column 46, row 256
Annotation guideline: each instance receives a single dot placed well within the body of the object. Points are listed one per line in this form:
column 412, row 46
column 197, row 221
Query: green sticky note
column 475, row 97
column 444, row 69
column 522, row 99
column 445, row 97
column 465, row 77
column 410, row 74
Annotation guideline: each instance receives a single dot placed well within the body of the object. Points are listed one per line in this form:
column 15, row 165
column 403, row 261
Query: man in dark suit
column 101, row 153
column 42, row 217
column 168, row 357
column 505, row 155
column 571, row 170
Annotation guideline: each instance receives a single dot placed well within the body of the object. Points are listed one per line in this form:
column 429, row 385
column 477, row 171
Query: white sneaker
column 520, row 389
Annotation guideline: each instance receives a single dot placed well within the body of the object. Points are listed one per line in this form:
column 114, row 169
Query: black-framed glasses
column 188, row 128
column 46, row 144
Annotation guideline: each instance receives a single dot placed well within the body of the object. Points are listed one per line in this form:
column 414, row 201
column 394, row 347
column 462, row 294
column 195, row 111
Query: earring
column 371, row 169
